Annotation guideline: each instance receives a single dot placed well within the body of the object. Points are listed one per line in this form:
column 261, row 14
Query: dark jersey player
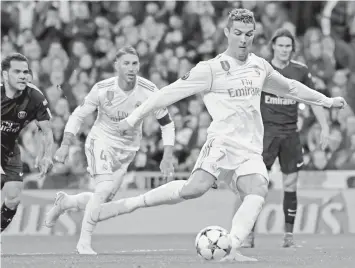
column 281, row 138
column 21, row 103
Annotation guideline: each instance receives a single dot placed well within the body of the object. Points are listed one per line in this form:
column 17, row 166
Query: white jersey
column 231, row 93
column 113, row 105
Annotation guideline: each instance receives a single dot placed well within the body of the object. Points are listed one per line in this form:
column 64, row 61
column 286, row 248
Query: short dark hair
column 126, row 50
column 240, row 14
column 6, row 63
column 280, row 33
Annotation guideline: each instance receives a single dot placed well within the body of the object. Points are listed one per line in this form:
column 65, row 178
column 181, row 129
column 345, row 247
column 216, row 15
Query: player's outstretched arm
column 89, row 105
column 277, row 84
column 199, row 79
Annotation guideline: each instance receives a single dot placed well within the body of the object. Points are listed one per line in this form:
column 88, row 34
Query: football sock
column 77, row 201
column 102, row 192
column 290, row 210
column 245, row 217
column 6, row 216
column 166, row 194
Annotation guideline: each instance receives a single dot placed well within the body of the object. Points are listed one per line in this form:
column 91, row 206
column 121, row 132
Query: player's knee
column 290, row 182
column 13, row 191
column 103, row 191
column 255, row 184
column 198, row 184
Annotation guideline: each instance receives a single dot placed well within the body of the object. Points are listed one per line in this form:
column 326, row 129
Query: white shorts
column 103, row 159
column 224, row 165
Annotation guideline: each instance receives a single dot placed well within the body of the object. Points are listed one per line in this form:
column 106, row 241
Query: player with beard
column 21, row 103
column 108, row 153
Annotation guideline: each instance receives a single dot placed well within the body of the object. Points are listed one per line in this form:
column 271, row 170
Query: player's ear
column 272, row 46
column 5, row 74
column 115, row 65
column 226, row 31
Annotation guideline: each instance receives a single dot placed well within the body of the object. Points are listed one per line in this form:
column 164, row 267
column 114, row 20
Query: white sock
column 166, row 194
column 77, row 201
column 245, row 217
column 102, row 192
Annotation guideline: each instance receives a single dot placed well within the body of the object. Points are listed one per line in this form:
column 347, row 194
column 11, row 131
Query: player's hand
column 124, row 127
column 324, row 137
column 167, row 166
column 339, row 102
column 61, row 154
column 44, row 165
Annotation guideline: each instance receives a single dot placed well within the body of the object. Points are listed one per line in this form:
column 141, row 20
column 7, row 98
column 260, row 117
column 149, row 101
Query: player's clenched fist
column 61, row 154
column 339, row 102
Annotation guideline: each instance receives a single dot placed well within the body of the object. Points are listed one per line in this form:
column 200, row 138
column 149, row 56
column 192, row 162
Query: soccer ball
column 213, row 243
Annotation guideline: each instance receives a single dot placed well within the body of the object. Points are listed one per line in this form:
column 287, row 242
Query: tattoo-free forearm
column 320, row 114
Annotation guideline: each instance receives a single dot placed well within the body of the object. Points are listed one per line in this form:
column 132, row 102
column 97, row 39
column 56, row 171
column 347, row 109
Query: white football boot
column 235, row 255
column 84, row 249
column 57, row 210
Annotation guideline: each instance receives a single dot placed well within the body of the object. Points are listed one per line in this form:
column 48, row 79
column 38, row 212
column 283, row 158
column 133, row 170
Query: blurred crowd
column 72, row 45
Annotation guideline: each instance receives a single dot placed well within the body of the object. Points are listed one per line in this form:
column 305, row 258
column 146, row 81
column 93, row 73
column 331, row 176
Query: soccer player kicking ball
column 231, row 86
column 21, row 103
column 281, row 137
column 108, row 153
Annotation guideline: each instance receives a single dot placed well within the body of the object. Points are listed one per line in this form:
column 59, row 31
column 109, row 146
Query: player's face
column 17, row 75
column 240, row 38
column 282, row 48
column 127, row 67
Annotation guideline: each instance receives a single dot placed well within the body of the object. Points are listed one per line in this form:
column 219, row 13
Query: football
column 213, row 243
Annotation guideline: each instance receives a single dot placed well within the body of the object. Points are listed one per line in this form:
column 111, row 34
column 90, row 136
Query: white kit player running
column 231, row 86
column 108, row 152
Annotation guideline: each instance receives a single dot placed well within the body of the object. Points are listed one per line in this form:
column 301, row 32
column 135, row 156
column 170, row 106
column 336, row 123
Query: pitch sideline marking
column 103, row 253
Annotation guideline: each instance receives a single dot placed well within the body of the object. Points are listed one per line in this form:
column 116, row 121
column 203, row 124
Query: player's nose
column 243, row 39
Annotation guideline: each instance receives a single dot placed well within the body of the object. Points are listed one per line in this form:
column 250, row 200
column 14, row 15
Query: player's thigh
column 207, row 169
column 251, row 177
column 12, row 179
column 291, row 156
column 99, row 159
column 271, row 148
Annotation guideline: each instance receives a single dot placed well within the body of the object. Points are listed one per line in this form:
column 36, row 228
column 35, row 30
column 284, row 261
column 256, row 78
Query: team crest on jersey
column 22, row 114
column 214, row 167
column 257, row 71
column 225, row 65
column 109, row 96
column 185, row 76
